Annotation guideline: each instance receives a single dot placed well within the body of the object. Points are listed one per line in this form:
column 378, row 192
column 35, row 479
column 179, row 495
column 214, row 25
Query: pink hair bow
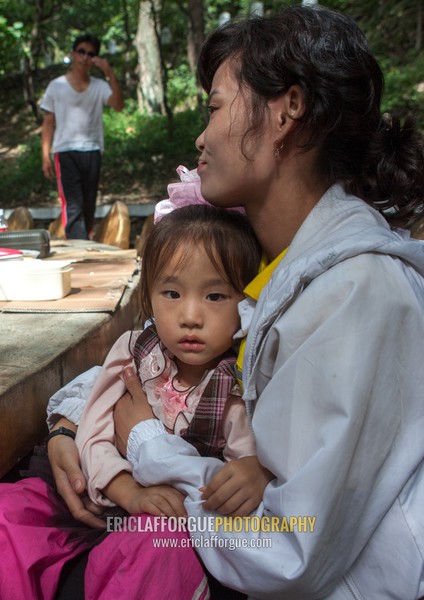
column 182, row 193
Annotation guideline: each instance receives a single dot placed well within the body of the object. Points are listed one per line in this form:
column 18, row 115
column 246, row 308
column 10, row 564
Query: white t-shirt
column 78, row 115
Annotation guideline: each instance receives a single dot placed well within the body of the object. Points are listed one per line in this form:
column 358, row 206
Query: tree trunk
column 128, row 44
column 196, row 33
column 419, row 35
column 28, row 89
column 42, row 14
column 150, row 89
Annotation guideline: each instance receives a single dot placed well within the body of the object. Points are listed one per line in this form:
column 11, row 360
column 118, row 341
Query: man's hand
column 70, row 481
column 237, row 488
column 102, row 64
column 116, row 100
column 132, row 408
column 48, row 169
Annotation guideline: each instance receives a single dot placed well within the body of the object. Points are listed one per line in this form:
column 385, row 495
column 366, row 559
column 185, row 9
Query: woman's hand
column 132, row 408
column 237, row 488
column 69, row 479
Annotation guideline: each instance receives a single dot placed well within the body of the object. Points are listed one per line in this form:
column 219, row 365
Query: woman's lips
column 201, row 166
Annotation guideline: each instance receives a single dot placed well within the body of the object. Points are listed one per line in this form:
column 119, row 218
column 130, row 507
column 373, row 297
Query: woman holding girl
column 332, row 368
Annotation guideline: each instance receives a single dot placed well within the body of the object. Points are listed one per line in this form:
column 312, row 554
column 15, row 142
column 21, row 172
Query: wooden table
column 41, row 351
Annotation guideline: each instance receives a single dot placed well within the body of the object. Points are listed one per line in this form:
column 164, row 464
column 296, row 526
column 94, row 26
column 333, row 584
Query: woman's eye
column 211, row 109
column 215, row 297
column 171, row 294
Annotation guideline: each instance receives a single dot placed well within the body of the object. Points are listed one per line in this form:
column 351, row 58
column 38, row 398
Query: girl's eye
column 215, row 297
column 211, row 109
column 171, row 294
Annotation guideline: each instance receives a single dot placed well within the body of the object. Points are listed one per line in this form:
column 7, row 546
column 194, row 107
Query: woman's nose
column 200, row 142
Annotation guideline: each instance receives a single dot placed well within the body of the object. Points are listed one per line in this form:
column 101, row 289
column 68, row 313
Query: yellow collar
column 255, row 287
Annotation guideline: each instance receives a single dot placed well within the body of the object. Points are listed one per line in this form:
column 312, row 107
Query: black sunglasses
column 85, row 53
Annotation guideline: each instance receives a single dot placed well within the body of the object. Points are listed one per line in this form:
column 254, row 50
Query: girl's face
column 228, row 178
column 195, row 312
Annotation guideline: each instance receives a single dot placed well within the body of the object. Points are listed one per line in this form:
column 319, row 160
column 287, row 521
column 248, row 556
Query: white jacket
column 334, row 378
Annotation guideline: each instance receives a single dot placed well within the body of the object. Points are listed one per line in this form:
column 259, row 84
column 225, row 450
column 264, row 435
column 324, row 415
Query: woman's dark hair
column 90, row 39
column 326, row 54
column 226, row 235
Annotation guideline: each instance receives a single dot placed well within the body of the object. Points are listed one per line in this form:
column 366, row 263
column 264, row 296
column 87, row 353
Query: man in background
column 73, row 130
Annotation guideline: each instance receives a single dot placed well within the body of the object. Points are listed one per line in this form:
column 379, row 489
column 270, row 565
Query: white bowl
column 35, row 280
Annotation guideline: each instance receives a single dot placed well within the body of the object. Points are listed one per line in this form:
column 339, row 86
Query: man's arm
column 47, row 132
column 116, row 100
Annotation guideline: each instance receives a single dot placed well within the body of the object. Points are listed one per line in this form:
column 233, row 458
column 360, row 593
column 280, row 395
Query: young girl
column 196, row 263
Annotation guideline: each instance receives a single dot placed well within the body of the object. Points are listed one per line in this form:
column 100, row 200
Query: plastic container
column 37, row 240
column 35, row 280
column 3, row 222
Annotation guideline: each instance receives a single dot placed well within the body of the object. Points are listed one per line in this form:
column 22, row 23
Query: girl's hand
column 237, row 488
column 158, row 500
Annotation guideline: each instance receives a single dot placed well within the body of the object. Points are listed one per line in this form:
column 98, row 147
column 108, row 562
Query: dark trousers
column 78, row 175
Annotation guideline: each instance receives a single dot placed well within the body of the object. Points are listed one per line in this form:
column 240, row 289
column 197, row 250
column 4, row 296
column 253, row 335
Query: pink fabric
column 139, row 571
column 183, row 193
column 38, row 535
column 175, row 408
column 33, row 550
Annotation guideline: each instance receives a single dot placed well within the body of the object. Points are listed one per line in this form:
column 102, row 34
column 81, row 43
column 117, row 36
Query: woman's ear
column 295, row 102
column 288, row 108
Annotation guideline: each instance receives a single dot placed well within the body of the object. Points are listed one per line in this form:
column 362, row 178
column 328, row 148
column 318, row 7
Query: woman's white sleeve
column 70, row 401
column 159, row 457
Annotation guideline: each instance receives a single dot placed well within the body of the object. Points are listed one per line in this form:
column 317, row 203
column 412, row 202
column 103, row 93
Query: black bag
column 31, row 239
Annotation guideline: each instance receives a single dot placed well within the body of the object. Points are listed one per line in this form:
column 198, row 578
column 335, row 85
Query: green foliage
column 42, row 27
column 11, row 44
column 138, row 148
column 22, row 179
column 402, row 85
column 181, row 86
column 391, row 26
